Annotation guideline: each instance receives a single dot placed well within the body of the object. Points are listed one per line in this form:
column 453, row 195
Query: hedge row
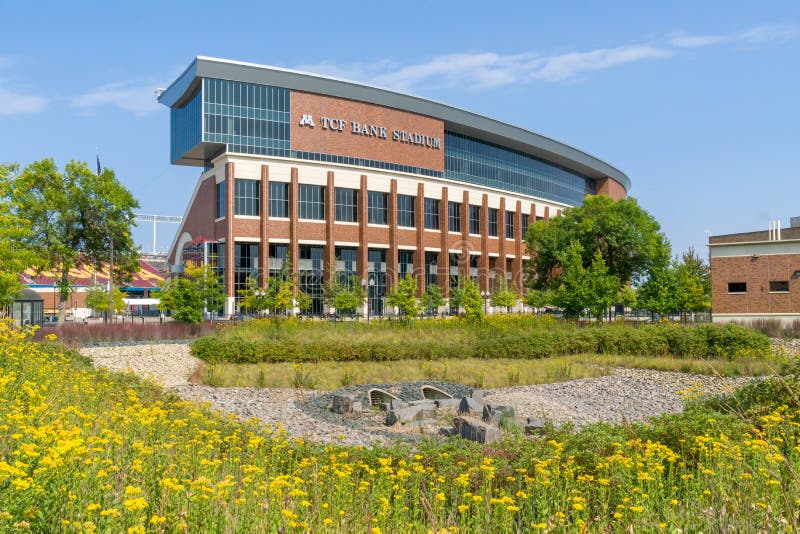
column 301, row 345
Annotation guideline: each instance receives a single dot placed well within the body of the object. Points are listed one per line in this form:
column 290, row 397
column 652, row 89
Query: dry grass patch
column 493, row 373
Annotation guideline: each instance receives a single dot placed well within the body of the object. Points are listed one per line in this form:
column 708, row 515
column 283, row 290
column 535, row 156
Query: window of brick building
column 779, row 286
column 737, row 287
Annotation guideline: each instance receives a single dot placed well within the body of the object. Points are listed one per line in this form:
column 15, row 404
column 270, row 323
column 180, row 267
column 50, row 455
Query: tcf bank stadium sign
column 372, row 130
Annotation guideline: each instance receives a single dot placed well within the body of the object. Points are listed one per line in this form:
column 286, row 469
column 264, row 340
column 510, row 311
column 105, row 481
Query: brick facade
column 767, row 264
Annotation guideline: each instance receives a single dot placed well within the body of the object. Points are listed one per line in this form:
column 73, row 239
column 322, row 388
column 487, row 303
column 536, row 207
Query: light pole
column 260, row 294
column 368, row 287
column 485, row 295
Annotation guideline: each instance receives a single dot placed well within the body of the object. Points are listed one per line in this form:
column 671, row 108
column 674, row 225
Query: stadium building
column 349, row 178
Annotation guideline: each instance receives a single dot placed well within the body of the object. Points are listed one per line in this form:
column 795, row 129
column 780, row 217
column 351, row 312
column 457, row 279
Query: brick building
column 756, row 275
column 348, row 178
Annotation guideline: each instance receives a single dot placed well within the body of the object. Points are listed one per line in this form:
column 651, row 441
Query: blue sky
column 697, row 102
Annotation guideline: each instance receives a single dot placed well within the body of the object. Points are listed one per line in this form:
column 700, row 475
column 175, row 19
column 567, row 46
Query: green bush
column 516, row 337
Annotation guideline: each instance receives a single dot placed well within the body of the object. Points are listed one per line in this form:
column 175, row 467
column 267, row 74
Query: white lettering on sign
column 306, row 120
column 373, row 130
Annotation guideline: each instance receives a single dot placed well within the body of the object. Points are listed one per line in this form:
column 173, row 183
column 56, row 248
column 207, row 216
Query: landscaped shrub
column 517, row 337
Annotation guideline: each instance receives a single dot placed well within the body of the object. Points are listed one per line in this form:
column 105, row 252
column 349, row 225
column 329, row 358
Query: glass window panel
column 377, row 207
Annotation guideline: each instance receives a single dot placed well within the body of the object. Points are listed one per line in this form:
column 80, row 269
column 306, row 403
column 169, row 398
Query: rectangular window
column 454, row 216
column 405, row 211
column 779, row 286
column 311, row 202
column 431, row 214
column 216, row 258
column 455, row 279
column 246, row 197
column 431, row 268
column 221, row 199
column 510, row 224
column 309, row 275
column 376, row 288
column 737, row 287
column 525, row 224
column 278, row 199
column 346, row 204
column 493, row 222
column 278, row 256
column 346, row 258
column 377, row 207
column 245, row 265
column 405, row 263
column 475, row 220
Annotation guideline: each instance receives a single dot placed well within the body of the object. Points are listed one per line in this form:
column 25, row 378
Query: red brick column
column 294, row 248
column 362, row 257
column 517, row 276
column 329, row 252
column 444, row 255
column 419, row 223
column 229, row 220
column 263, row 247
column 547, row 214
column 463, row 261
column 483, row 270
column 391, row 255
column 501, row 237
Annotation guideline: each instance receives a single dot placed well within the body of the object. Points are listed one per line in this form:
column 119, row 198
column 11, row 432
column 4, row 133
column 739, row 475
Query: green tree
column 254, row 297
column 467, row 296
column 581, row 288
column 503, row 295
column 432, row 299
column 97, row 299
column 74, row 216
column 625, row 236
column 659, row 293
column 694, row 282
column 186, row 296
column 14, row 259
column 343, row 293
column 404, row 296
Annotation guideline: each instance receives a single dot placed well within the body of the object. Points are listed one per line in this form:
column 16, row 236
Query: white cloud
column 487, row 70
column 758, row 34
column 13, row 102
column 692, row 41
column 484, row 70
column 137, row 96
column 773, row 32
column 565, row 66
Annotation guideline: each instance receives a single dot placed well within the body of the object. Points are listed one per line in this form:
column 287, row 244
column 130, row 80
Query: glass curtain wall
column 310, row 271
column 245, row 265
column 376, row 281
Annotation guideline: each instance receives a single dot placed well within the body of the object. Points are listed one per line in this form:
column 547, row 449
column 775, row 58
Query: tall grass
column 475, row 372
column 518, row 337
column 84, row 450
column 776, row 328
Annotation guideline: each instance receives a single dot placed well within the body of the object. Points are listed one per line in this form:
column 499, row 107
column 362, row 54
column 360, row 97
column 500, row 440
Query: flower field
column 89, row 451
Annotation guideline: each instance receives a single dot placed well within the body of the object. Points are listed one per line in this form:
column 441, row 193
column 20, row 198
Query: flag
column 98, row 164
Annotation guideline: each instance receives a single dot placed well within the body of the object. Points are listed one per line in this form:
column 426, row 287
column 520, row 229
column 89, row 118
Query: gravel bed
column 626, row 394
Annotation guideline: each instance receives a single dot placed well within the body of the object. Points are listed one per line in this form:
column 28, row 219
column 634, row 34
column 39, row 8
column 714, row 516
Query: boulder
column 476, row 430
column 497, row 414
column 448, row 404
column 532, row 425
column 428, row 404
column 406, row 415
column 343, row 404
column 476, row 394
column 469, row 406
